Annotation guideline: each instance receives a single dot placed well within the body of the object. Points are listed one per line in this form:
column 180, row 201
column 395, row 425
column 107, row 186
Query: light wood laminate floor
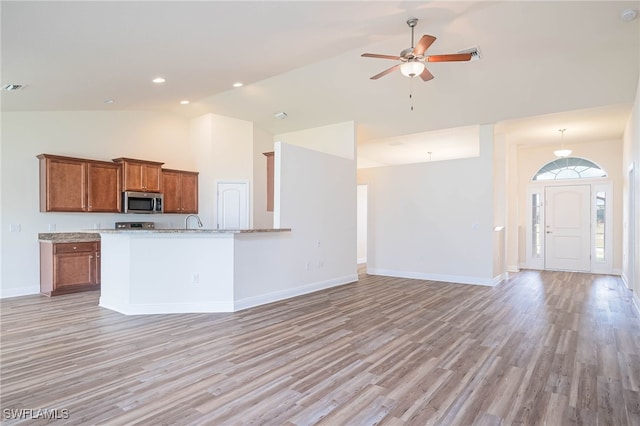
column 549, row 348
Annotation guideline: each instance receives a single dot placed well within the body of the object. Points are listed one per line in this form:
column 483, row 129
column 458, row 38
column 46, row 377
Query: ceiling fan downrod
column 412, row 24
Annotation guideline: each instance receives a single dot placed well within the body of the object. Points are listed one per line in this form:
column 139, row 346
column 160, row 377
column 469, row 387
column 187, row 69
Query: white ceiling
column 545, row 65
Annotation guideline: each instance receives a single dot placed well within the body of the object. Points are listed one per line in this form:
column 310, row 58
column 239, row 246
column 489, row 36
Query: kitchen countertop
column 69, row 237
column 94, row 235
column 193, row 231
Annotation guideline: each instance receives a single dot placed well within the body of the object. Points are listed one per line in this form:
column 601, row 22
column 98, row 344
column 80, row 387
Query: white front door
column 233, row 205
column 567, row 228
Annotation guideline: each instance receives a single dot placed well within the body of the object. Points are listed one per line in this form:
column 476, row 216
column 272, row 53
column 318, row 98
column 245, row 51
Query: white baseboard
column 223, row 306
column 636, row 301
column 498, row 279
column 513, row 268
column 362, row 260
column 167, row 308
column 275, row 296
column 625, row 280
column 19, row 291
column 457, row 279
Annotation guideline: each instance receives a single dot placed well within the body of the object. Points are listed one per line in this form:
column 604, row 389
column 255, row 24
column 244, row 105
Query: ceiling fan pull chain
column 411, row 93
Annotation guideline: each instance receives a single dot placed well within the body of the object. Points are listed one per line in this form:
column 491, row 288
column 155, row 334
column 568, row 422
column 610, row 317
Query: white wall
column 631, row 158
column 433, row 220
column 499, row 205
column 606, row 154
column 223, row 150
column 336, row 139
column 320, row 208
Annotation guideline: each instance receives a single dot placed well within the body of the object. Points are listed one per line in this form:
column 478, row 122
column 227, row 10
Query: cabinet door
column 132, row 173
column 152, row 178
column 189, row 189
column 270, row 180
column 103, row 187
column 74, row 269
column 63, row 185
column 171, row 186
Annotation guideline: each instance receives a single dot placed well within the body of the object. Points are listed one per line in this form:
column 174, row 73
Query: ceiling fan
column 412, row 59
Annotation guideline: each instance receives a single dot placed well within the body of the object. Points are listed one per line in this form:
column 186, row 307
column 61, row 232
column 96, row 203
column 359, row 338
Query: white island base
column 182, row 271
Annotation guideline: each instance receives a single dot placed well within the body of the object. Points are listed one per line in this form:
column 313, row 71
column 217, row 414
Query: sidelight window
column 601, row 217
column 536, row 226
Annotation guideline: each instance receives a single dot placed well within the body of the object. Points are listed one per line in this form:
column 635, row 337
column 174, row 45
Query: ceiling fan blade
column 449, row 58
column 385, row 72
column 426, row 75
column 423, row 45
column 375, row 55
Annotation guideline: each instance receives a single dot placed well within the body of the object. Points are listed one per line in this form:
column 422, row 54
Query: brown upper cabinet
column 140, row 175
column 180, row 191
column 270, row 179
column 70, row 184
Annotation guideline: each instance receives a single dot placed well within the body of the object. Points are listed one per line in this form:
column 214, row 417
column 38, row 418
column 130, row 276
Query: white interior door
column 233, row 205
column 567, row 228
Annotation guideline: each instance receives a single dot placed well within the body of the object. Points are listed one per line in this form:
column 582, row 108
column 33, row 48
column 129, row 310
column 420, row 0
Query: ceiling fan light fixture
column 412, row 68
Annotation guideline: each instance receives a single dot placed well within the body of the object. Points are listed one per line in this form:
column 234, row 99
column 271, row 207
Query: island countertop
column 69, row 237
column 192, row 231
column 94, row 235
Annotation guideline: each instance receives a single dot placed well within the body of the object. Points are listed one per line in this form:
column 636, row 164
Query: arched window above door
column 569, row 168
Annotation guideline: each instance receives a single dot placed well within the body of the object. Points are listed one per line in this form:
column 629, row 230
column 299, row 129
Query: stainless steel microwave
column 142, row 202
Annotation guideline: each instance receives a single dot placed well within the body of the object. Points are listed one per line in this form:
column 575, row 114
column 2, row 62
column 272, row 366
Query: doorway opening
column 362, row 223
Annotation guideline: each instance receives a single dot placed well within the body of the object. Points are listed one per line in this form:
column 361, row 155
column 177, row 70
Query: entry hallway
column 543, row 347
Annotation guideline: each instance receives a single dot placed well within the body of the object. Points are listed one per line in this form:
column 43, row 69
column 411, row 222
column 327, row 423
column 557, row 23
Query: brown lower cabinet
column 69, row 267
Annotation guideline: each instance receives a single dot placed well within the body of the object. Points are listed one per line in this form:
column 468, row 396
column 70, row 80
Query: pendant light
column 562, row 153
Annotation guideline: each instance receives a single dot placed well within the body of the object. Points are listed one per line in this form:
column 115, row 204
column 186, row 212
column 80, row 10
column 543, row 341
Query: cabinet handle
column 74, row 247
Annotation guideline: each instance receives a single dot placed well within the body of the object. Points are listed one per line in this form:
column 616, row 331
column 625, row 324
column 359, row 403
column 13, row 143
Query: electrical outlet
column 321, row 264
column 15, row 227
column 308, row 266
column 96, row 226
column 52, row 227
column 195, row 278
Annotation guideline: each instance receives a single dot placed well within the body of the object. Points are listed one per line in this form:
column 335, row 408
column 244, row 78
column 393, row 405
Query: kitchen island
column 196, row 270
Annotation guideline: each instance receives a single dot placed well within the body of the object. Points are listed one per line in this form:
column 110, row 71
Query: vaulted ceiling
column 553, row 61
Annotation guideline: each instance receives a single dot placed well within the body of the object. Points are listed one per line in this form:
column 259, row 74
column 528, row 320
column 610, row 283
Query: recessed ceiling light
column 629, row 15
column 185, row 102
column 158, row 80
column 109, row 101
column 280, row 115
column 238, row 84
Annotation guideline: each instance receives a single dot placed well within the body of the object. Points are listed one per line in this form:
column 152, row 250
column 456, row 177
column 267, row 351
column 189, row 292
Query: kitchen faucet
column 186, row 221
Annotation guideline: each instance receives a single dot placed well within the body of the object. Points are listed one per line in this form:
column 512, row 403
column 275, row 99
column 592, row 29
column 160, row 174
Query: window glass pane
column 569, row 168
column 601, row 204
column 535, row 228
column 568, row 174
